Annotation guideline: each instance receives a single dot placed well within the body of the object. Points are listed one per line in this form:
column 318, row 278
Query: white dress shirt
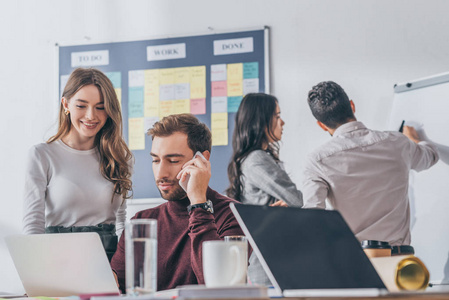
column 364, row 174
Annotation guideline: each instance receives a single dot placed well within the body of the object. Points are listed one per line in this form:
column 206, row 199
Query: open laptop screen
column 306, row 248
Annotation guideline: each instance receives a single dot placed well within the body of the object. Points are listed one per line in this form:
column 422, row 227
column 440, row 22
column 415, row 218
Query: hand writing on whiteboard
column 411, row 133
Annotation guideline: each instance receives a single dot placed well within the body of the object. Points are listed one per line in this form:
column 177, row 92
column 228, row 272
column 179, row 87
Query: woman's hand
column 279, row 203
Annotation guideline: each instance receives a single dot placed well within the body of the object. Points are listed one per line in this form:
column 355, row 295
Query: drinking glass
column 141, row 256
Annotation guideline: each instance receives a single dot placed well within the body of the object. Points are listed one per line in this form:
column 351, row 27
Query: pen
column 402, row 126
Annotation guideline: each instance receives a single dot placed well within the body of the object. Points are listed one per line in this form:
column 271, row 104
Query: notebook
column 62, row 264
column 308, row 252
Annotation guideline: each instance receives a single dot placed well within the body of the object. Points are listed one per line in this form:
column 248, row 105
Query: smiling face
column 169, row 154
column 87, row 116
column 276, row 126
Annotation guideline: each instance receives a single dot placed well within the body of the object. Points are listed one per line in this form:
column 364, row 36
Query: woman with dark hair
column 255, row 172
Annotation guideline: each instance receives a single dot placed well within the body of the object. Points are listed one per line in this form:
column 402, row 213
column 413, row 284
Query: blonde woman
column 80, row 178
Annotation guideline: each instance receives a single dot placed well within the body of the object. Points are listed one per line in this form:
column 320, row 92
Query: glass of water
column 141, row 256
column 242, row 242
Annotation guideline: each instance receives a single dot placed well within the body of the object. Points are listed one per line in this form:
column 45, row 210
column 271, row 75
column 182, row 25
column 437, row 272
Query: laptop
column 308, row 252
column 62, row 264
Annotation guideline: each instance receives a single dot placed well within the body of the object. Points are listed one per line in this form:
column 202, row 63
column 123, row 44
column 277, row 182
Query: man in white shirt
column 363, row 173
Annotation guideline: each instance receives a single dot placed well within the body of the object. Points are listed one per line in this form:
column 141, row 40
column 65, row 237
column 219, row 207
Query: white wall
column 366, row 46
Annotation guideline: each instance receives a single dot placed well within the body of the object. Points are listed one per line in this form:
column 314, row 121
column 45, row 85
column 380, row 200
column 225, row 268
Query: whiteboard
column 424, row 104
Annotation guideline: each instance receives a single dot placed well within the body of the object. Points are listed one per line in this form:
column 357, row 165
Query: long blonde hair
column 115, row 155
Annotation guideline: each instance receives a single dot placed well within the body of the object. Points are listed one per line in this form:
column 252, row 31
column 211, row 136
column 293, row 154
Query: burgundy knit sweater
column 180, row 237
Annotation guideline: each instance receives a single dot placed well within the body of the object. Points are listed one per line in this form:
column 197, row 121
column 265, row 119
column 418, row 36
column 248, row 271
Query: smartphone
column 184, row 183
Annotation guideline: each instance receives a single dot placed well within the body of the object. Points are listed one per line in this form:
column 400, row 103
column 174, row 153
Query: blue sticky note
column 251, row 70
column 116, row 78
column 234, row 103
column 135, row 102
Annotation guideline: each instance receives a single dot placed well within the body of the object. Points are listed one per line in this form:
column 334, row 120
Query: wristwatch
column 207, row 206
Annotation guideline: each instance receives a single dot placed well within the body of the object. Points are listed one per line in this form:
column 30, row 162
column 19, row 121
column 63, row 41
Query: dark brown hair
column 199, row 137
column 253, row 129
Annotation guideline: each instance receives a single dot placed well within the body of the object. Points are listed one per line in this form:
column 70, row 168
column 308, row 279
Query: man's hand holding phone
column 194, row 178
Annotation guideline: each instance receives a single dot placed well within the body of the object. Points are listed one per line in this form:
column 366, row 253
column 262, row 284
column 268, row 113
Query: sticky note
column 219, row 120
column 152, row 76
column 219, row 137
column 198, row 106
column 235, row 71
column 218, row 72
column 148, row 123
column 197, row 89
column 198, row 73
column 118, row 92
column 135, row 102
column 182, row 75
column 235, row 88
column 136, row 134
column 151, row 100
column 219, row 104
column 251, row 70
column 166, row 92
column 233, row 104
column 250, row 86
column 219, row 88
column 182, row 91
column 167, row 76
column 115, row 78
column 181, row 106
column 166, row 108
column 136, row 78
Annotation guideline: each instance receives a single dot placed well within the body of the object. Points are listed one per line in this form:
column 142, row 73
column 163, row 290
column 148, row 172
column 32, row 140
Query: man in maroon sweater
column 188, row 218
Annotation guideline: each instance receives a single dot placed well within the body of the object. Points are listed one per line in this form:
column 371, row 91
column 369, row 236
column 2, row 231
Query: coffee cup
column 374, row 248
column 225, row 263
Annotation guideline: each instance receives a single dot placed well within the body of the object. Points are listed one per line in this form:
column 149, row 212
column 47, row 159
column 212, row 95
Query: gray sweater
column 265, row 181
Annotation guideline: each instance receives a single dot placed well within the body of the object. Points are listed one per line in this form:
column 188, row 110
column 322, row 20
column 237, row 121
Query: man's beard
column 175, row 194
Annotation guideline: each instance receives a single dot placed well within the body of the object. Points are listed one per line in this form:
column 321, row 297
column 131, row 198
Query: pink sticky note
column 198, row 106
column 219, row 88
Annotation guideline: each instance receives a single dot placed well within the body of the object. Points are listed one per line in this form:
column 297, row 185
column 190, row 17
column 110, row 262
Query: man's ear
column 206, row 154
column 352, row 105
column 324, row 127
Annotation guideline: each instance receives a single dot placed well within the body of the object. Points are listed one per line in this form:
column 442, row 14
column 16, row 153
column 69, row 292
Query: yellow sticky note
column 197, row 89
column 118, row 91
column 182, row 75
column 235, row 88
column 219, row 120
column 198, row 82
column 167, row 76
column 151, row 93
column 151, row 76
column 235, row 71
column 219, row 137
column 198, row 73
column 151, row 100
column 166, row 108
column 181, row 106
column 136, row 134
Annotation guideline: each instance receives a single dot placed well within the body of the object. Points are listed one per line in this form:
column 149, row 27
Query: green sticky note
column 251, row 70
column 234, row 103
column 136, row 102
column 116, row 78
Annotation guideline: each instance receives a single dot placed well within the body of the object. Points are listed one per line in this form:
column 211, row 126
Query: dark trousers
column 105, row 231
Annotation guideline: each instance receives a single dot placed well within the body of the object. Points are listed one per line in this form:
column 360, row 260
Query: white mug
column 224, row 263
